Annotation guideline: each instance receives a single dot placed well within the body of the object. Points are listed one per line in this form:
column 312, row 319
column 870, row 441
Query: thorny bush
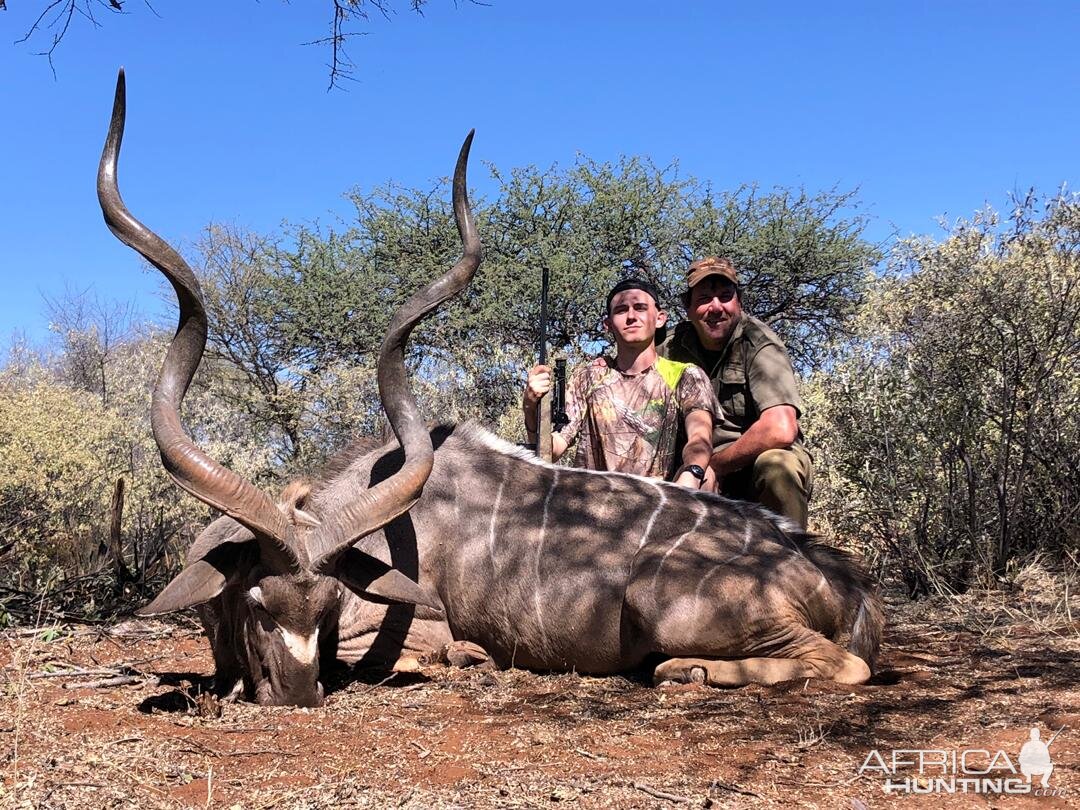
column 948, row 431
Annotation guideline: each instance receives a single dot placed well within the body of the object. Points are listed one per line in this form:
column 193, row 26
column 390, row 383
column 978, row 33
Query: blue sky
column 930, row 108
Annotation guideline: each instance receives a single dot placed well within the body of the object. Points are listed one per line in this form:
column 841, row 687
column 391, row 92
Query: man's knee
column 782, row 483
column 777, row 468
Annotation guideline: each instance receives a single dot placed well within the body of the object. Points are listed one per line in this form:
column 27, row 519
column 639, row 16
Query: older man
column 625, row 412
column 758, row 453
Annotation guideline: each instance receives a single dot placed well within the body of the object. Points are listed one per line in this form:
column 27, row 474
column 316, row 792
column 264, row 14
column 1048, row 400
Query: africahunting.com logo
column 968, row 770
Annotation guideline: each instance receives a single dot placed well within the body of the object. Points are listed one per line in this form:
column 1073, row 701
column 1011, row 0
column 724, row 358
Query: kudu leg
column 462, row 654
column 815, row 658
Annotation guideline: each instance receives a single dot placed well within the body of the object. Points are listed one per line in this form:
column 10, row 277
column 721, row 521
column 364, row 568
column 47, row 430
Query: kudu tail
column 866, row 631
column 863, row 611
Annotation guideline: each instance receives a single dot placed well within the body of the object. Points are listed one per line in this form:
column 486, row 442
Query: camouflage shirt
column 629, row 422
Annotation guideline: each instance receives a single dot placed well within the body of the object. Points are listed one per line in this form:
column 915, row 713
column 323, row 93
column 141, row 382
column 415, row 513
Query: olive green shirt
column 753, row 372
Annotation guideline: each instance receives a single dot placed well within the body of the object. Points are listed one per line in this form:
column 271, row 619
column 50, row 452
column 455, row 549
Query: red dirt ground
column 977, row 673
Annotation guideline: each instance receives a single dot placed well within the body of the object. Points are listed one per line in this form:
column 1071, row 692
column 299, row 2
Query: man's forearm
column 528, row 410
column 740, row 453
column 558, row 446
column 537, row 384
column 698, row 452
column 776, row 429
column 698, row 447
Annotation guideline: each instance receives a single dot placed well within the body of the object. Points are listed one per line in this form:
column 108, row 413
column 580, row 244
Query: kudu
column 543, row 566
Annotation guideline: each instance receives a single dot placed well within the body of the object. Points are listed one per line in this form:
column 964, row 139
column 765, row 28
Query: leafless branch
column 660, row 794
column 60, row 21
column 57, row 16
column 106, row 683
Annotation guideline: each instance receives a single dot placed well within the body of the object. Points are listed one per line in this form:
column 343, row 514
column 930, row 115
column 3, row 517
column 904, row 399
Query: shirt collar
column 613, row 367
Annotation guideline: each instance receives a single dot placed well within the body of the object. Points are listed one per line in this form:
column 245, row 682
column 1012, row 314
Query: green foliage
column 300, row 318
column 57, row 450
column 943, row 396
column 950, row 430
column 62, row 449
column 296, row 320
column 294, row 334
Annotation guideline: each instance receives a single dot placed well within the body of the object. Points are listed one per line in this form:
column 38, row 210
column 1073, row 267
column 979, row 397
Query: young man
column 758, row 453
column 625, row 413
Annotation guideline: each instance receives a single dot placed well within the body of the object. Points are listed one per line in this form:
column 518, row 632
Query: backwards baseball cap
column 647, row 288
column 710, row 266
column 632, row 284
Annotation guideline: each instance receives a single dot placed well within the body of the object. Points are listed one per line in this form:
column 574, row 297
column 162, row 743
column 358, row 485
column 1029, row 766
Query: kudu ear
column 199, row 582
column 372, row 579
column 221, row 531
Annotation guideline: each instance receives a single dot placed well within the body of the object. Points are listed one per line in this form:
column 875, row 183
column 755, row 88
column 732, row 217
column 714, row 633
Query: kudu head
column 271, row 573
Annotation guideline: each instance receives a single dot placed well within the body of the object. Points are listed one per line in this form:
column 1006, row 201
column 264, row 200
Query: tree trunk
column 123, row 574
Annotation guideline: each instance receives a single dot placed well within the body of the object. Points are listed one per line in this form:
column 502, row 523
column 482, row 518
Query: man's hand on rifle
column 537, row 384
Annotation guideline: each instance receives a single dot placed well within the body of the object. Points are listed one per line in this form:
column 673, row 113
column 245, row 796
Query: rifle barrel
column 543, row 315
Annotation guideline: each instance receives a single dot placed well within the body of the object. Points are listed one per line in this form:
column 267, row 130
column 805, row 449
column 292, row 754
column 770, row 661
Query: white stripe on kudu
column 676, row 544
column 539, row 552
column 652, row 517
column 698, row 601
column 495, row 518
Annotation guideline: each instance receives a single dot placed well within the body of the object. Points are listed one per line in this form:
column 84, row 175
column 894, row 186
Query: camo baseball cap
column 710, row 266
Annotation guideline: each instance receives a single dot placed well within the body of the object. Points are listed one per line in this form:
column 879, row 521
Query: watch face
column 696, row 471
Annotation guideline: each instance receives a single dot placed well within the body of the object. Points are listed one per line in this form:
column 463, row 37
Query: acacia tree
column 294, row 330
column 57, row 16
column 802, row 256
column 300, row 316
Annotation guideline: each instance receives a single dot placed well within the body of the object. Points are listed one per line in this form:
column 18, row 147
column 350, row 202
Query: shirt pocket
column 732, row 395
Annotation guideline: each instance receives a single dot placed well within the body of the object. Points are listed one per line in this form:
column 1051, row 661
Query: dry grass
column 1034, row 597
column 977, row 671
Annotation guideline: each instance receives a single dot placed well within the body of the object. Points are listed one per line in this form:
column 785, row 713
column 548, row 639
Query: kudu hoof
column 462, row 654
column 674, row 672
column 207, row 704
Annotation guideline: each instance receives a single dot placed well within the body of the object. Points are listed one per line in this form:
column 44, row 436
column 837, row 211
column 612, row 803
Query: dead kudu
column 455, row 536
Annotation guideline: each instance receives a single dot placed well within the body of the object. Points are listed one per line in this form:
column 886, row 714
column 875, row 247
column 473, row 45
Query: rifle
column 559, row 419
column 552, row 404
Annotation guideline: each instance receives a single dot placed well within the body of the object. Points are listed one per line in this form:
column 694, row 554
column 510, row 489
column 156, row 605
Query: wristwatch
column 697, row 471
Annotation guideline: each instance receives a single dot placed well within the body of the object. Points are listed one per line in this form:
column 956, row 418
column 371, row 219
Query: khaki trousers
column 780, row 480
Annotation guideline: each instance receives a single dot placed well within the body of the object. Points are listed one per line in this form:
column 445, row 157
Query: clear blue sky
column 930, row 108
